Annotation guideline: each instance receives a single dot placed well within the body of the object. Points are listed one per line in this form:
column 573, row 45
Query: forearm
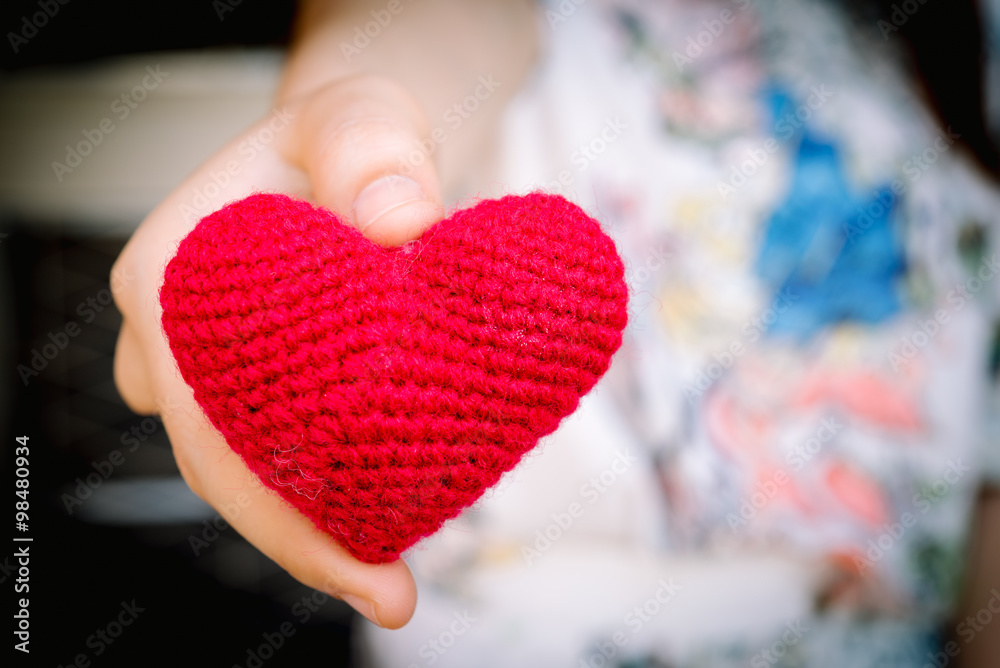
column 436, row 49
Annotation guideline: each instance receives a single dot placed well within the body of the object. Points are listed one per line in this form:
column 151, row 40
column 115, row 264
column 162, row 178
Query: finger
column 361, row 143
column 130, row 373
column 386, row 594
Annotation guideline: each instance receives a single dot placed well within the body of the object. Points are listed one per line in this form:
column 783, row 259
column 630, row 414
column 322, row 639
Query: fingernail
column 384, row 195
column 362, row 605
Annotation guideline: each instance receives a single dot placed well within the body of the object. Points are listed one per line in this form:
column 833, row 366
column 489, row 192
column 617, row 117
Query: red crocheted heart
column 382, row 390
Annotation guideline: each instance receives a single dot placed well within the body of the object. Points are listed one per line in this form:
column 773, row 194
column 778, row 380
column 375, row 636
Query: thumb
column 360, row 141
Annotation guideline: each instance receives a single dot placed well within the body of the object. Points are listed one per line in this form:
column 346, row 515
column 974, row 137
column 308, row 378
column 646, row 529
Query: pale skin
column 343, row 127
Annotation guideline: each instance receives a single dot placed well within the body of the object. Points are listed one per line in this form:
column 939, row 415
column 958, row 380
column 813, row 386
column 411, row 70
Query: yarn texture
column 382, row 390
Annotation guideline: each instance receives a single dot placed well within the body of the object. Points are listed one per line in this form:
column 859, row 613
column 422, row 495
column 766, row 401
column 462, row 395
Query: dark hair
column 946, row 49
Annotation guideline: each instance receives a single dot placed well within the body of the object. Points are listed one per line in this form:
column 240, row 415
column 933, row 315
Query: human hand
column 341, row 148
column 343, row 136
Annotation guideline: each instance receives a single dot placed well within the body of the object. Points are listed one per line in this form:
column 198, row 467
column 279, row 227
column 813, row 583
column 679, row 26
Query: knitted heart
column 382, row 390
